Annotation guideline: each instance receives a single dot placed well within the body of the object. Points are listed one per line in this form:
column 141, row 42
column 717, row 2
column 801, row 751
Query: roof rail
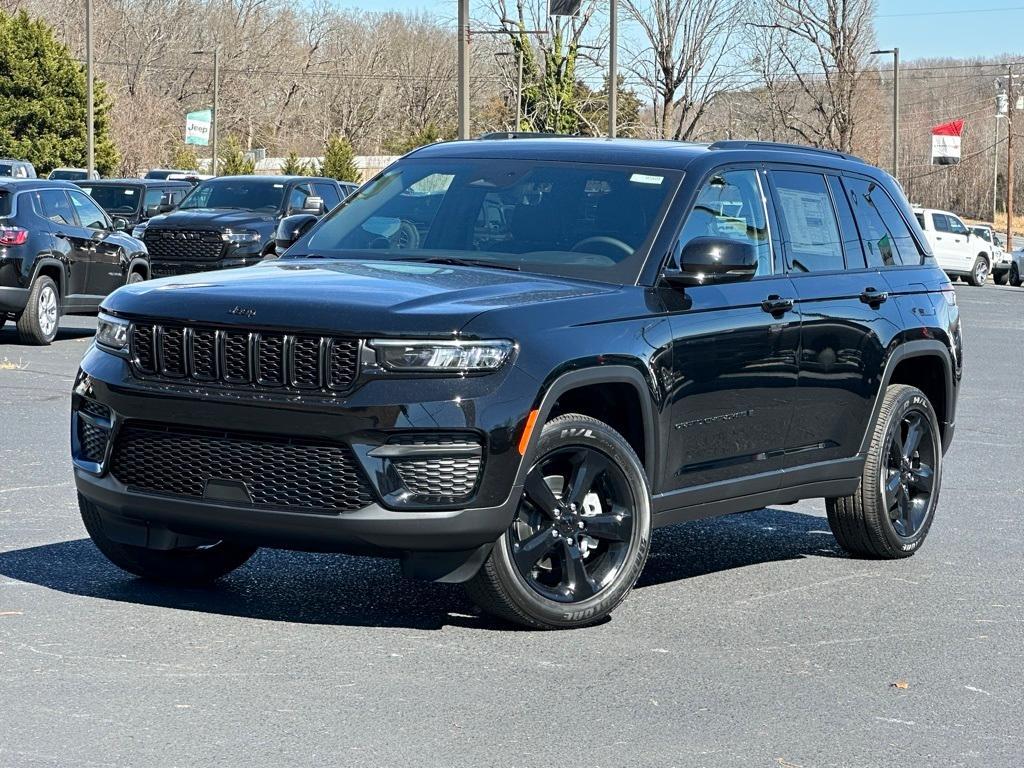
column 522, row 135
column 747, row 144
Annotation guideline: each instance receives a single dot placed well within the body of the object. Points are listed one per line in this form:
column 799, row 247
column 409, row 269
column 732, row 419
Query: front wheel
column 1014, row 275
column 194, row 566
column 999, row 278
column 580, row 536
column 979, row 272
column 890, row 513
column 136, row 277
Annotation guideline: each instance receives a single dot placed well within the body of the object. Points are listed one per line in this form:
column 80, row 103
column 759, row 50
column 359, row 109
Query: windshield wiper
column 458, row 261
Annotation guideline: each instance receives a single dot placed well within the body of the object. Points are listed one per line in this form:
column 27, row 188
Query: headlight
column 242, row 238
column 112, row 333
column 139, row 230
column 449, row 356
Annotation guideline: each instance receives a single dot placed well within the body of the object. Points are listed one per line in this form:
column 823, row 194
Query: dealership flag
column 946, row 143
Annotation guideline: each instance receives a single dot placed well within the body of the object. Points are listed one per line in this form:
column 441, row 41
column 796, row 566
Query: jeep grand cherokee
column 505, row 362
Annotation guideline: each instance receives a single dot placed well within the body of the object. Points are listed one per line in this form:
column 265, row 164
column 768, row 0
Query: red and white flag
column 946, row 143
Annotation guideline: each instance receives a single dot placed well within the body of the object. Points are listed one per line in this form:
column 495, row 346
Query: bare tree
column 812, row 60
column 689, row 57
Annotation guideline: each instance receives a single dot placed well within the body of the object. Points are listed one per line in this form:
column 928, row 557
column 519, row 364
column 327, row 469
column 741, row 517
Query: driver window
column 88, row 212
column 956, row 226
column 730, row 205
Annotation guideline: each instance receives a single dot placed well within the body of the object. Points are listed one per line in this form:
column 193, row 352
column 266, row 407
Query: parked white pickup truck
column 960, row 252
column 1000, row 258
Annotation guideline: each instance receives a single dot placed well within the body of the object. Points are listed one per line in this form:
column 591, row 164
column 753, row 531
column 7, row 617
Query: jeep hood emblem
column 242, row 311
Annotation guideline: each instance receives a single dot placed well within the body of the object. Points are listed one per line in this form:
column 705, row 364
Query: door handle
column 874, row 297
column 776, row 305
column 937, row 237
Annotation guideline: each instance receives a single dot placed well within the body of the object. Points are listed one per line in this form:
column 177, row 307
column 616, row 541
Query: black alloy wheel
column 909, row 474
column 571, row 536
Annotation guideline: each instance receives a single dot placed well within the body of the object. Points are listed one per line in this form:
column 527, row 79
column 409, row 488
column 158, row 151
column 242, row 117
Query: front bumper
column 166, row 268
column 369, row 417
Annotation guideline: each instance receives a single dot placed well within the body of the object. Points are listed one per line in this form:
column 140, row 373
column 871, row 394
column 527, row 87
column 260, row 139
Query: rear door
column 734, row 350
column 848, row 319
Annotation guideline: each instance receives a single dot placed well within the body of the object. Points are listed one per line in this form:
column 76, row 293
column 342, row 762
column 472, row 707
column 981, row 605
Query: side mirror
column 120, row 224
column 152, row 210
column 313, row 205
column 291, row 229
column 713, row 260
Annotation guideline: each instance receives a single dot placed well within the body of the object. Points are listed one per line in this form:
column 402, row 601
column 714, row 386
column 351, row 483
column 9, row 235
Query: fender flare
column 47, row 261
column 905, row 351
column 607, row 374
column 135, row 261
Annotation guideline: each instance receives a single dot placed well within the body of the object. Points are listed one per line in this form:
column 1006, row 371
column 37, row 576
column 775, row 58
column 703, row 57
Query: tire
column 136, row 277
column 3, row 320
column 182, row 567
column 1014, row 277
column 999, row 278
column 40, row 321
column 593, row 557
column 979, row 272
column 864, row 523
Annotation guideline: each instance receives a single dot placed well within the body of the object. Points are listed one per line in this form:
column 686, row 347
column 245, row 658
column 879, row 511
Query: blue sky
column 957, row 28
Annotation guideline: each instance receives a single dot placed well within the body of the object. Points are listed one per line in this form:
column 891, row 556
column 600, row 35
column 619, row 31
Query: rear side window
column 941, row 222
column 885, row 235
column 810, row 232
column 6, row 199
column 53, row 204
column 730, row 205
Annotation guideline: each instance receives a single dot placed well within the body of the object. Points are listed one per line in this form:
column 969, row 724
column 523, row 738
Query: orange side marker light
column 524, row 441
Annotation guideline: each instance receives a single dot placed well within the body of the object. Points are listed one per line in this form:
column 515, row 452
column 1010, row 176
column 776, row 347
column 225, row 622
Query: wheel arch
column 53, row 268
column 138, row 263
column 925, row 364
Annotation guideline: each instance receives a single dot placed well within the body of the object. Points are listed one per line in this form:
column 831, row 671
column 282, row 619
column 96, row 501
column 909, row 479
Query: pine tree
column 233, row 161
column 340, row 160
column 428, row 135
column 293, row 166
column 43, row 100
column 185, row 158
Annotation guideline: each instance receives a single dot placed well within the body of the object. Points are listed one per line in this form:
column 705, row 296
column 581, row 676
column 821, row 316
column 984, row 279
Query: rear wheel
column 580, row 536
column 39, row 322
column 194, row 566
column 891, row 511
column 1014, row 276
column 979, row 272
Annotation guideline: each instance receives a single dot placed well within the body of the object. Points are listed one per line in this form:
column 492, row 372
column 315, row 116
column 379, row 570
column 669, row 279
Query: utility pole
column 90, row 135
column 895, row 52
column 1010, row 105
column 519, row 93
column 613, row 67
column 463, row 84
column 213, row 112
column 995, row 167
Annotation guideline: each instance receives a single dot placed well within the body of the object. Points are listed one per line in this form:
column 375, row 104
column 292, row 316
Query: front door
column 72, row 240
column 734, row 350
column 106, row 272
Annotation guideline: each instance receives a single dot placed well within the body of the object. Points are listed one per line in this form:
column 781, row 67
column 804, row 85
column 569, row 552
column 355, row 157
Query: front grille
column 276, row 472
column 173, row 270
column 438, row 479
column 260, row 360
column 183, row 244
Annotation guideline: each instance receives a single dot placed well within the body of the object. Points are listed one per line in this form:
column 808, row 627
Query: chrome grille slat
column 260, row 360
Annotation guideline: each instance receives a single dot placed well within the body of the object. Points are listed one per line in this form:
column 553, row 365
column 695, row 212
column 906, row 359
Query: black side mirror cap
column 291, row 229
column 713, row 260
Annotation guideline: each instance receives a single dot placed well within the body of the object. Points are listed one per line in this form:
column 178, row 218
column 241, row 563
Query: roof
column 137, row 182
column 25, row 185
column 277, row 179
column 635, row 152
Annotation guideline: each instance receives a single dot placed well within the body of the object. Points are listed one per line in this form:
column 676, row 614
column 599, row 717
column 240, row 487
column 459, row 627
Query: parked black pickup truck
column 231, row 221
column 136, row 200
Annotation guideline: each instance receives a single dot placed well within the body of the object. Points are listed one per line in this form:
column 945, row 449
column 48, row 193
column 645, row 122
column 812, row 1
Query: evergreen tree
column 293, row 166
column 340, row 160
column 233, row 161
column 184, row 157
column 43, row 100
column 428, row 135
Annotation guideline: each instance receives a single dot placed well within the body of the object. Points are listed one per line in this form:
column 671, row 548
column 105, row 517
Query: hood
column 213, row 218
column 344, row 296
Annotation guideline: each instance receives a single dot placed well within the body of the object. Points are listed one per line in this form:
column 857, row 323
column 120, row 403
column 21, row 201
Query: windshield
column 238, row 193
column 68, row 174
column 575, row 219
column 115, row 199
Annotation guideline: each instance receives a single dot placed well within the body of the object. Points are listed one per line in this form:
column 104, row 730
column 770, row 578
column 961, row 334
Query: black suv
column 231, row 221
column 60, row 254
column 136, row 200
column 505, row 362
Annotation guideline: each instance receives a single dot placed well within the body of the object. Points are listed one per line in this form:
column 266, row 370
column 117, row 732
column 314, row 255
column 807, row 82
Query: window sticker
column 643, row 178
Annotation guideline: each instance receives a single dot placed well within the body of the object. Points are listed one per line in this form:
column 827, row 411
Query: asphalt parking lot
column 750, row 640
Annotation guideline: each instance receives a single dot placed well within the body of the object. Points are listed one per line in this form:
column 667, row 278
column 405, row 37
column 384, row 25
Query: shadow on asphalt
column 360, row 591
column 9, row 335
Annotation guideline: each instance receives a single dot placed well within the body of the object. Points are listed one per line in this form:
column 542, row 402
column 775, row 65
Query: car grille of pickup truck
column 183, row 244
column 264, row 471
column 244, row 359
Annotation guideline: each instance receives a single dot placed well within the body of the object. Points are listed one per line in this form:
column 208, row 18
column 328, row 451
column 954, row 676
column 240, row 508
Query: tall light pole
column 216, row 100
column 90, row 128
column 895, row 108
column 463, row 84
column 613, row 67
